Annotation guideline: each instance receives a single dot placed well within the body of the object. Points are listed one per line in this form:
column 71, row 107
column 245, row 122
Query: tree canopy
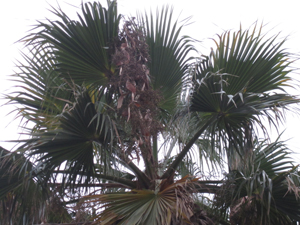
column 127, row 125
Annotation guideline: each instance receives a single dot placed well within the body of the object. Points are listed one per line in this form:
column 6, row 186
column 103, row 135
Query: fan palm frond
column 22, row 190
column 151, row 206
column 240, row 82
column 168, row 52
column 42, row 95
column 80, row 131
column 82, row 48
column 262, row 186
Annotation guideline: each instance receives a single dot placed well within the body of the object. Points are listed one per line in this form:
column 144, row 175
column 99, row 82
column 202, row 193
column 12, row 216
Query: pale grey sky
column 210, row 17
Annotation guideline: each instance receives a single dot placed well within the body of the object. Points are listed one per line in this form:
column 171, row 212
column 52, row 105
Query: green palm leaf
column 168, row 52
column 81, row 48
column 266, row 184
column 42, row 95
column 237, row 83
column 81, row 131
column 148, row 206
column 22, row 190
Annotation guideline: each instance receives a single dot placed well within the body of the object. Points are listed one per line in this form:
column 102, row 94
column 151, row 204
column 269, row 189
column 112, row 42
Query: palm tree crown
column 104, row 92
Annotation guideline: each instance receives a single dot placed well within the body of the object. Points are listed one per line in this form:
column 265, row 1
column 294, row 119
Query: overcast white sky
column 210, row 17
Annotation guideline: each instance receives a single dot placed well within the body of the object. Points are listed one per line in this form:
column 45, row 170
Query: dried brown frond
column 137, row 102
column 292, row 188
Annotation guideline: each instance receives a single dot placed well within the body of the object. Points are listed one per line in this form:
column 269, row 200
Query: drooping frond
column 22, row 191
column 265, row 188
column 42, row 95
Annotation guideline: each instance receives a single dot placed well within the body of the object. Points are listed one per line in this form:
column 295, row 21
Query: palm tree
column 103, row 93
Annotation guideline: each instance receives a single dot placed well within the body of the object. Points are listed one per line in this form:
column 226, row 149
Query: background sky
column 209, row 17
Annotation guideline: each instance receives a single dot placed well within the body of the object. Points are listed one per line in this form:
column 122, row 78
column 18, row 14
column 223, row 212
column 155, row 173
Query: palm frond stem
column 185, row 150
column 103, row 185
column 140, row 175
column 119, row 180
